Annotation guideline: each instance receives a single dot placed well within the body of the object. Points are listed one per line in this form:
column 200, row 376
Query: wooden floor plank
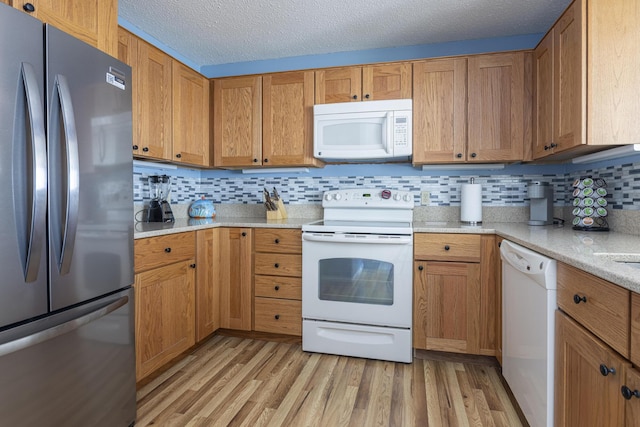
column 232, row 381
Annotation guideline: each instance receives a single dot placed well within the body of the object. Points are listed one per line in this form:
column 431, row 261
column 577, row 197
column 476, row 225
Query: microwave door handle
column 389, row 133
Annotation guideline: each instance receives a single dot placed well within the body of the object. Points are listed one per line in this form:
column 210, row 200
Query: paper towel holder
column 471, row 195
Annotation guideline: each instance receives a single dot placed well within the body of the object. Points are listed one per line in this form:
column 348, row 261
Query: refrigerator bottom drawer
column 77, row 373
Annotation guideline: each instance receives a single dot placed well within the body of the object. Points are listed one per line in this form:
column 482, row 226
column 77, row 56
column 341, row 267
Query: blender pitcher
column 159, row 209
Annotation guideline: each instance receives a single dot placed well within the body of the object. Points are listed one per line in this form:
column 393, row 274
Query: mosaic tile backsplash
column 498, row 190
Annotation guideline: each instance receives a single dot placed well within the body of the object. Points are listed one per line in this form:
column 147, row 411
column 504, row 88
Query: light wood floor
column 232, row 381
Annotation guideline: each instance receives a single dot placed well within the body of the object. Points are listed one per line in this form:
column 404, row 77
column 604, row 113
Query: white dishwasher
column 528, row 306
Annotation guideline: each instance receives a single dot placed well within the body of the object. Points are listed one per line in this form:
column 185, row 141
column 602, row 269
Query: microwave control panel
column 402, row 133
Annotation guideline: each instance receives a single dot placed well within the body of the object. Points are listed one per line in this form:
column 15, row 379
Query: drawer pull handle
column 420, row 268
column 446, row 247
column 167, row 250
column 578, row 299
column 605, row 370
column 277, row 241
column 277, row 317
column 192, row 265
column 628, row 394
column 276, row 265
column 277, row 288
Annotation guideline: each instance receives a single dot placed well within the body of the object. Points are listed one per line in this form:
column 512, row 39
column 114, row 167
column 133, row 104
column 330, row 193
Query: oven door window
column 357, row 280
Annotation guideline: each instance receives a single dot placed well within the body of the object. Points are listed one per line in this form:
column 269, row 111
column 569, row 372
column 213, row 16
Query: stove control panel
column 368, row 197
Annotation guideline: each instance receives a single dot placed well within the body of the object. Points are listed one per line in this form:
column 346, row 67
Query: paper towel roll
column 471, row 203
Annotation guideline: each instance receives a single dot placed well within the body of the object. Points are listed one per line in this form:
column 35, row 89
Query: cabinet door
column 439, row 111
column 237, row 121
column 446, row 315
column 489, row 301
column 583, row 396
column 190, row 116
column 164, row 315
column 543, row 97
column 339, row 85
column 287, row 125
column 496, row 107
column 152, row 117
column 93, row 21
column 128, row 53
column 570, row 78
column 207, row 283
column 631, row 388
column 235, row 278
column 386, row 81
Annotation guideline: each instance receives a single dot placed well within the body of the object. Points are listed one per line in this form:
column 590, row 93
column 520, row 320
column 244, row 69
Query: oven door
column 357, row 278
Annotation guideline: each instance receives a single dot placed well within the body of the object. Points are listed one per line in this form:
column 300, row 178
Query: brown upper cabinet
column 473, row 109
column 170, row 105
column 367, row 83
column 93, row 21
column 578, row 111
column 264, row 120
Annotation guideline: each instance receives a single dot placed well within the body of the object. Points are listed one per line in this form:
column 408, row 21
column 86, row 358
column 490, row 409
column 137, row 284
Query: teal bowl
column 202, row 209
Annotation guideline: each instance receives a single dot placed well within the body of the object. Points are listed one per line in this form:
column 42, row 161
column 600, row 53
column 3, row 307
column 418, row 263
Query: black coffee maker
column 159, row 209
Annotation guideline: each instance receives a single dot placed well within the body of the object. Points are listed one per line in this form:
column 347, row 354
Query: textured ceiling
column 213, row 32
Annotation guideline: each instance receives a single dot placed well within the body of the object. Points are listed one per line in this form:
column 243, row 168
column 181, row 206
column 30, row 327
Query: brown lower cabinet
column 236, row 295
column 164, row 299
column 589, row 376
column 455, row 299
column 207, row 282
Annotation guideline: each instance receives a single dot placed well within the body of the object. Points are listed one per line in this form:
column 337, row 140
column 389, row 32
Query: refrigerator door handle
column 64, row 328
column 73, row 174
column 37, row 230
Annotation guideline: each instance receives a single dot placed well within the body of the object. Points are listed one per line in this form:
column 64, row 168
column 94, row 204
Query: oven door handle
column 342, row 238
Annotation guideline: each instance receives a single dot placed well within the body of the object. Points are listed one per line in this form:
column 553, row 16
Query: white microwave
column 366, row 130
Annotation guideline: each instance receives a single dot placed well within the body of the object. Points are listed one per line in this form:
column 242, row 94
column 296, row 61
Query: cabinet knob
column 459, row 155
column 446, row 247
column 135, row 147
column 627, row 393
column 276, row 241
column 145, row 149
column 474, row 155
column 276, row 265
column 276, row 287
column 244, row 234
column 420, row 268
column 167, row 250
column 605, row 370
column 578, row 299
column 546, row 147
column 179, row 156
column 192, row 265
column 29, row 8
column 553, row 145
column 277, row 317
column 367, row 96
column 355, row 97
column 499, row 244
column 255, row 160
column 266, row 160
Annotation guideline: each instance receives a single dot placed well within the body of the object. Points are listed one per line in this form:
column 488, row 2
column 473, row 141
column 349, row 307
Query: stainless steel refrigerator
column 67, row 353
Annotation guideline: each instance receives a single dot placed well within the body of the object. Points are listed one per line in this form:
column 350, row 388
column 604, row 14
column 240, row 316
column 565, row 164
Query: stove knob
column 397, row 197
column 406, row 198
column 386, row 194
column 327, row 196
column 337, row 196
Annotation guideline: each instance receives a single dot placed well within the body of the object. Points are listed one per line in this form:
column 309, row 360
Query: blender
column 159, row 209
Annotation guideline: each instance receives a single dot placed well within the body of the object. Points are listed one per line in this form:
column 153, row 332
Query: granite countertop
column 593, row 252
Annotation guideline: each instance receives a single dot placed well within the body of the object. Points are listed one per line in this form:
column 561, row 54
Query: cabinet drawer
column 155, row 252
column 282, row 240
column 598, row 305
column 278, row 264
column 278, row 287
column 447, row 247
column 278, row 316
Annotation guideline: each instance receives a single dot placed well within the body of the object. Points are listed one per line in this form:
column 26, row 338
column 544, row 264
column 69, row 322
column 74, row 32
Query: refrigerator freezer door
column 76, row 368
column 90, row 171
column 23, row 174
